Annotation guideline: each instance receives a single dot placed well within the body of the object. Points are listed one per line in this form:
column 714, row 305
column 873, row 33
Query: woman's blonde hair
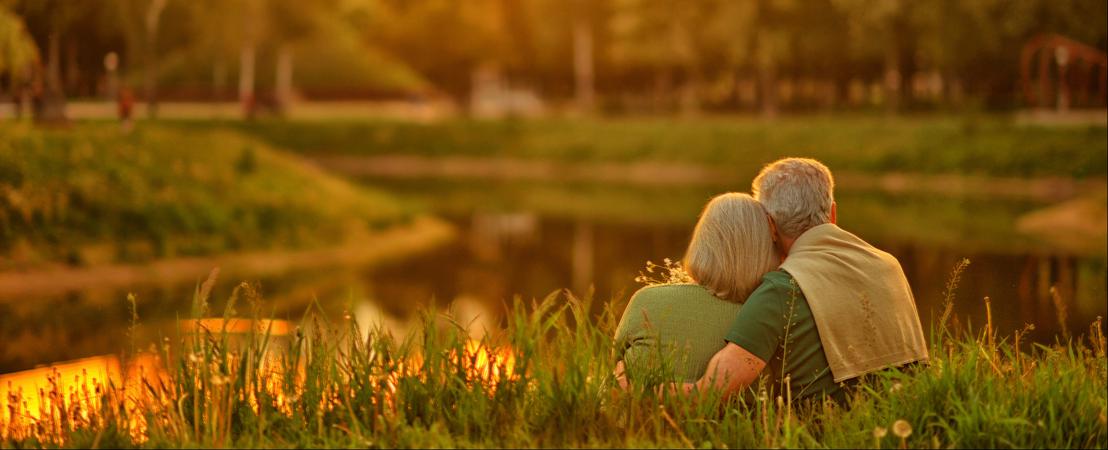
column 731, row 247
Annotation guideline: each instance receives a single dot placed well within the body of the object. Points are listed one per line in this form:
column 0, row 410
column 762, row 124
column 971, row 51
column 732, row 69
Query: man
column 837, row 308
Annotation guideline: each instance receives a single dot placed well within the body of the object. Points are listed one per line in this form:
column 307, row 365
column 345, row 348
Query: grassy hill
column 92, row 194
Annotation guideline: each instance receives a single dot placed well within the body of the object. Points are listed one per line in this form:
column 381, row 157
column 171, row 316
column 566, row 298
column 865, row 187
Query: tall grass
column 545, row 380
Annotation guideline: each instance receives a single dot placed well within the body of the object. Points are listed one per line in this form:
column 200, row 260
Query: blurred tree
column 290, row 21
column 642, row 53
column 251, row 33
column 216, row 33
column 584, row 75
column 152, row 18
column 50, row 21
column 975, row 44
column 444, row 40
column 18, row 55
column 883, row 30
column 663, row 37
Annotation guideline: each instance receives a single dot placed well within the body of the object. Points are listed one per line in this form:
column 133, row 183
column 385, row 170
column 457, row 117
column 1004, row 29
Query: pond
column 529, row 239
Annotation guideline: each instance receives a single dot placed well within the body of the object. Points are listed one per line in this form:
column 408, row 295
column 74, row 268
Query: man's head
column 798, row 193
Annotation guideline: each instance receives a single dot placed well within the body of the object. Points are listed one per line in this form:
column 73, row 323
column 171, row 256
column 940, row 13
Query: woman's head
column 731, row 247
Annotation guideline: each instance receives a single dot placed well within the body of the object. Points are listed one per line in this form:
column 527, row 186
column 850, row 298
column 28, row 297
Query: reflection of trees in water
column 1019, row 286
column 504, row 255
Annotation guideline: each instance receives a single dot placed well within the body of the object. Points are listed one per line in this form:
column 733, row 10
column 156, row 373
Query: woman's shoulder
column 668, row 292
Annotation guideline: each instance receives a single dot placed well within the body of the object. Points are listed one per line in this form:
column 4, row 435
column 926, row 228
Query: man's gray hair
column 797, row 193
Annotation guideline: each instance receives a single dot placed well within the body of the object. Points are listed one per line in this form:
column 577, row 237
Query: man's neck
column 786, row 245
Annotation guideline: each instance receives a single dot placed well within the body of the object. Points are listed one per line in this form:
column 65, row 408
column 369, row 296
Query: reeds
column 545, row 380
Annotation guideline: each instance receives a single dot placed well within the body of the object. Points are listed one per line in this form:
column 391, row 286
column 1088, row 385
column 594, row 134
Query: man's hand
column 732, row 369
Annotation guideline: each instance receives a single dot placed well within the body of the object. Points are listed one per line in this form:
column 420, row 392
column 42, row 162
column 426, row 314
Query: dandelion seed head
column 902, row 429
column 880, row 432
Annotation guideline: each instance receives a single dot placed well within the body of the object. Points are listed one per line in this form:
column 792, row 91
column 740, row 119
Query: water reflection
column 35, row 393
column 506, row 249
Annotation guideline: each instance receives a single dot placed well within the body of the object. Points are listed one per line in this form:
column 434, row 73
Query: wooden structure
column 1071, row 82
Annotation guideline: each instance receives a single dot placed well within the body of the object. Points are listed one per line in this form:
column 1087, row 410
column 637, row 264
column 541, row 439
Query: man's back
column 776, row 325
column 860, row 300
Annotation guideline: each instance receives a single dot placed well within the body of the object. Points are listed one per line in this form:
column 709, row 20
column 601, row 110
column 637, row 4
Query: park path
column 422, row 234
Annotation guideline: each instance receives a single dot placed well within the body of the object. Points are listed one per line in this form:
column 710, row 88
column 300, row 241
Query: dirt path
column 421, row 235
column 667, row 173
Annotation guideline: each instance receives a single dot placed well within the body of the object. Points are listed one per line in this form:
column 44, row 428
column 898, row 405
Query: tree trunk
column 767, row 87
column 246, row 61
column 72, row 72
column 50, row 102
column 583, row 66
column 219, row 80
column 663, row 89
column 153, row 17
column 892, row 79
column 583, row 256
column 690, row 93
column 767, row 72
column 246, row 80
column 283, row 84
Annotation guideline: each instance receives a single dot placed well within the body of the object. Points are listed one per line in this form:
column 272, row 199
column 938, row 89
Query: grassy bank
column 92, row 194
column 545, row 381
column 978, row 145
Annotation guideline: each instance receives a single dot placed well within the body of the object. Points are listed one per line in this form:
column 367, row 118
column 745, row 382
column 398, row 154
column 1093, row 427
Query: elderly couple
column 777, row 288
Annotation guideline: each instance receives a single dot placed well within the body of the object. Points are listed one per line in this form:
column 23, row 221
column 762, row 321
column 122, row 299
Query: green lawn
column 982, row 145
column 91, row 194
column 548, row 383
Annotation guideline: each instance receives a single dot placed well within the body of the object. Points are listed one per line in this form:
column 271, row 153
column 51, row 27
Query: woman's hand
column 620, row 373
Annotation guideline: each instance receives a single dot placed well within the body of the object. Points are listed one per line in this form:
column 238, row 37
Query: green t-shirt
column 670, row 332
column 776, row 325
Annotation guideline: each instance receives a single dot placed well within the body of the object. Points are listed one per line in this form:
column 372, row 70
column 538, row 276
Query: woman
column 669, row 331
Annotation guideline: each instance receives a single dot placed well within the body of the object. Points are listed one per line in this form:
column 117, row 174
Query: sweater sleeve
column 630, row 328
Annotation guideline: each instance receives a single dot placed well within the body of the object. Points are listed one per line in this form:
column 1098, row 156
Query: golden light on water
column 21, row 390
column 239, row 326
column 47, row 403
column 73, row 393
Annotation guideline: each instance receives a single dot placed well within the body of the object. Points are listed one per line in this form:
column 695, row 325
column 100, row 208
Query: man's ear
column 834, row 213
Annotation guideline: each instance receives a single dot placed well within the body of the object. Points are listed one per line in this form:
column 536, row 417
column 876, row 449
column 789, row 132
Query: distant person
column 125, row 102
column 838, row 308
column 672, row 330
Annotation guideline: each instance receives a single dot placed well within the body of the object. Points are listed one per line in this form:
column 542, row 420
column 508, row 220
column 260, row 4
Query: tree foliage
column 701, row 50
